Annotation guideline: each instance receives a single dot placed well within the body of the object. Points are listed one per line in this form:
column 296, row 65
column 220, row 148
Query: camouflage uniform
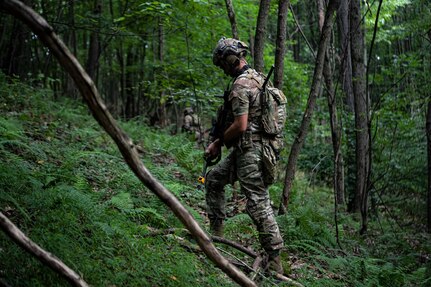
column 191, row 124
column 245, row 163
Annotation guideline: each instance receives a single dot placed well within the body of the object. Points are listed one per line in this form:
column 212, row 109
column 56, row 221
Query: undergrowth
column 65, row 184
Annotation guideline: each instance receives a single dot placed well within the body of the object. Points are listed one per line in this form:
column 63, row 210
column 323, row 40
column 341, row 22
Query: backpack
column 273, row 107
column 195, row 120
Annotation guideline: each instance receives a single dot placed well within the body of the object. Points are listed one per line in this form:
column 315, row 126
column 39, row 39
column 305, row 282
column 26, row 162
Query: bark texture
column 357, row 44
column 259, row 39
column 428, row 133
column 280, row 44
column 231, row 15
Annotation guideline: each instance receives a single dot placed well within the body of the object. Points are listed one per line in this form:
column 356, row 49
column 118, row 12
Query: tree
column 306, row 119
column 280, row 45
column 361, row 99
column 428, row 133
column 94, row 47
column 259, row 39
column 344, row 55
column 338, row 178
column 231, row 15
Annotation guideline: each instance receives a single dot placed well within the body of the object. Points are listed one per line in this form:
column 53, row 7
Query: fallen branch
column 287, row 279
column 217, row 239
column 4, row 283
column 256, row 268
column 156, row 232
column 257, row 262
column 89, row 92
column 235, row 245
column 47, row 258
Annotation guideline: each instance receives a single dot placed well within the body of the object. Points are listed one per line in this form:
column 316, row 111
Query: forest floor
column 65, row 184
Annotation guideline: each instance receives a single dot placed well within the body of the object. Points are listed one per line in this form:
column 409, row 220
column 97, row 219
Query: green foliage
column 69, row 190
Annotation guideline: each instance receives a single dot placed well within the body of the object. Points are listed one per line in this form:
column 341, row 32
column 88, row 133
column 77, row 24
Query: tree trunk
column 231, row 15
column 94, row 48
column 315, row 88
column 347, row 88
column 296, row 47
column 357, row 45
column 129, row 151
column 122, row 80
column 338, row 179
column 163, row 117
column 259, row 39
column 70, row 40
column 321, row 13
column 428, row 133
column 11, row 60
column 345, row 58
column 280, row 44
column 130, row 98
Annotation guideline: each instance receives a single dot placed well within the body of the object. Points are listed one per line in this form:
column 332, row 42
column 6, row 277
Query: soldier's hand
column 213, row 150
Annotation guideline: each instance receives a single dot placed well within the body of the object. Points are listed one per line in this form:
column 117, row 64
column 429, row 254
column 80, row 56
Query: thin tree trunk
column 122, row 80
column 321, row 13
column 296, row 47
column 231, row 15
column 347, row 87
column 280, row 44
column 94, row 48
column 259, row 39
column 428, row 133
column 71, row 42
column 130, row 99
column 364, row 201
column 45, row 257
column 346, row 60
column 338, row 179
column 315, row 88
column 357, row 45
column 88, row 90
column 163, row 117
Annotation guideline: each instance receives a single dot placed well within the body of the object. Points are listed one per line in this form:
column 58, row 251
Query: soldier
column 192, row 125
column 242, row 130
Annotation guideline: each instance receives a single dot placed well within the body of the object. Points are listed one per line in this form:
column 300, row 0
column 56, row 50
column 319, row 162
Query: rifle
column 267, row 79
column 208, row 162
column 216, row 132
column 219, row 124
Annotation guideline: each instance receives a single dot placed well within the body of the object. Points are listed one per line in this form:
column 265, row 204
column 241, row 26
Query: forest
column 99, row 181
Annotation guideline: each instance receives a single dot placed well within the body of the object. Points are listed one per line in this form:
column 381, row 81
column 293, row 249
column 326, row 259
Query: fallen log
column 44, row 256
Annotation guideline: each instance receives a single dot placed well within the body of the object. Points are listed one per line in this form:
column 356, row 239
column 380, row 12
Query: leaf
column 122, row 201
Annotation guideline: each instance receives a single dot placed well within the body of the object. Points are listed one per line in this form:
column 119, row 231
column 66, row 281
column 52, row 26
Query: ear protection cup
column 232, row 60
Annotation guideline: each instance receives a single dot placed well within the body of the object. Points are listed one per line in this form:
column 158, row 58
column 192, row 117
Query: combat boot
column 216, row 227
column 274, row 263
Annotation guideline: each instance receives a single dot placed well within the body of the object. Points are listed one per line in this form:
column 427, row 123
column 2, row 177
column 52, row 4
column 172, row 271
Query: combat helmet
column 188, row 111
column 227, row 47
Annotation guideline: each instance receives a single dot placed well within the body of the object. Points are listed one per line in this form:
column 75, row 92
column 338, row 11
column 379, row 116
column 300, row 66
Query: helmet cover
column 226, row 47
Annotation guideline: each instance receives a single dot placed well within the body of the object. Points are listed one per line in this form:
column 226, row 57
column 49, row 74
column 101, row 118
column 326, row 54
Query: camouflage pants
column 244, row 165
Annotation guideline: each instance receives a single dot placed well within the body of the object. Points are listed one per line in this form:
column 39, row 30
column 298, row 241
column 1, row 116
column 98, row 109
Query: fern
column 122, row 201
column 149, row 216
